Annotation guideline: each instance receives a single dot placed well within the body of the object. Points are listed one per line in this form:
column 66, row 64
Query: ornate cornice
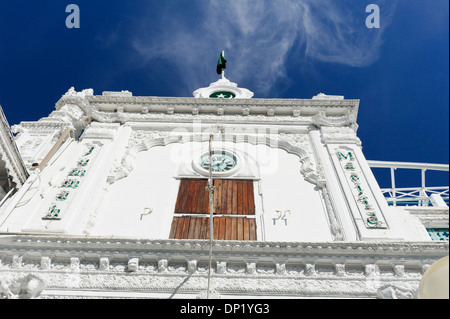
column 339, row 135
column 430, row 217
column 44, row 127
column 125, row 108
column 101, row 131
column 155, row 101
column 104, row 244
column 327, row 269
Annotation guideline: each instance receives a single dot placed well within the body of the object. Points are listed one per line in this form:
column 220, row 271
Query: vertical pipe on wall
column 211, row 214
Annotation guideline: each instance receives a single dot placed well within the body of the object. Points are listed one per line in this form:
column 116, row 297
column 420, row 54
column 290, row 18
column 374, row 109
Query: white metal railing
column 414, row 196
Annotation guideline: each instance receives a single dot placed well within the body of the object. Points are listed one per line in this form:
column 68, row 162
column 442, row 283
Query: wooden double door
column 233, row 208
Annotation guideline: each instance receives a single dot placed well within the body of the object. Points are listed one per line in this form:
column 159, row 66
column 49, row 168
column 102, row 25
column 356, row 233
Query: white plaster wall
column 412, row 228
column 33, row 204
column 152, row 184
column 287, row 190
column 149, row 185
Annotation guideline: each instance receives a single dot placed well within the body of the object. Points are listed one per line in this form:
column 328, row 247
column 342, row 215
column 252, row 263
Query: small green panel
column 438, row 233
column 222, row 95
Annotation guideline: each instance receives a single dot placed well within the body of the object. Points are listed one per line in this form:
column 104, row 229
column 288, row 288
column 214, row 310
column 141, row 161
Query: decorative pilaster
column 335, row 227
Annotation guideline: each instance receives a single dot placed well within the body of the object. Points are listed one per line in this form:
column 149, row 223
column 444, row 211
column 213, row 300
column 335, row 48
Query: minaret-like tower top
column 223, row 88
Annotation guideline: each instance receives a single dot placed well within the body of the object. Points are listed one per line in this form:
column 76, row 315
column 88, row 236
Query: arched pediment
column 140, row 141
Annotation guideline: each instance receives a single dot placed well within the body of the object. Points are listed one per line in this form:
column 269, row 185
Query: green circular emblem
column 222, row 95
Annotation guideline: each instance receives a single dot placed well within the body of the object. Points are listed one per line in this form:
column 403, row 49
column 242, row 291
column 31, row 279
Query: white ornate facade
column 93, row 219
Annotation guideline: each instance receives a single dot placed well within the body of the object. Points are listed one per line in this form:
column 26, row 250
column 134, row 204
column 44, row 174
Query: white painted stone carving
column 104, row 264
column 323, row 96
column 371, row 270
column 221, row 267
column 396, row 292
column 75, row 263
column 310, row 269
column 340, row 270
column 285, row 275
column 343, row 135
column 322, row 120
column 192, row 266
column 399, row 270
column 5, row 292
column 251, row 268
column 83, row 93
column 16, row 262
column 335, row 227
column 101, row 131
column 223, row 85
column 133, row 264
column 280, row 268
column 299, row 144
column 98, row 108
column 123, row 93
column 21, row 287
column 162, row 265
column 45, row 263
column 430, row 217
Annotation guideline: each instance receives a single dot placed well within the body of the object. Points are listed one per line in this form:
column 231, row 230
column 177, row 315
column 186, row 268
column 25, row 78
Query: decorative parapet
column 123, row 107
column 70, row 266
column 323, row 96
column 430, row 217
column 41, row 127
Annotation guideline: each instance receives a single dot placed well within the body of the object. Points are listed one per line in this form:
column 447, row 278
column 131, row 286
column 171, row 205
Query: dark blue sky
column 275, row 48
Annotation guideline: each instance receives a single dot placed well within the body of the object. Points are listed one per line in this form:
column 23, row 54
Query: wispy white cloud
column 258, row 37
column 335, row 32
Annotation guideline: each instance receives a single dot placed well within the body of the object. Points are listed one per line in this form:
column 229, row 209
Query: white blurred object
column 434, row 283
